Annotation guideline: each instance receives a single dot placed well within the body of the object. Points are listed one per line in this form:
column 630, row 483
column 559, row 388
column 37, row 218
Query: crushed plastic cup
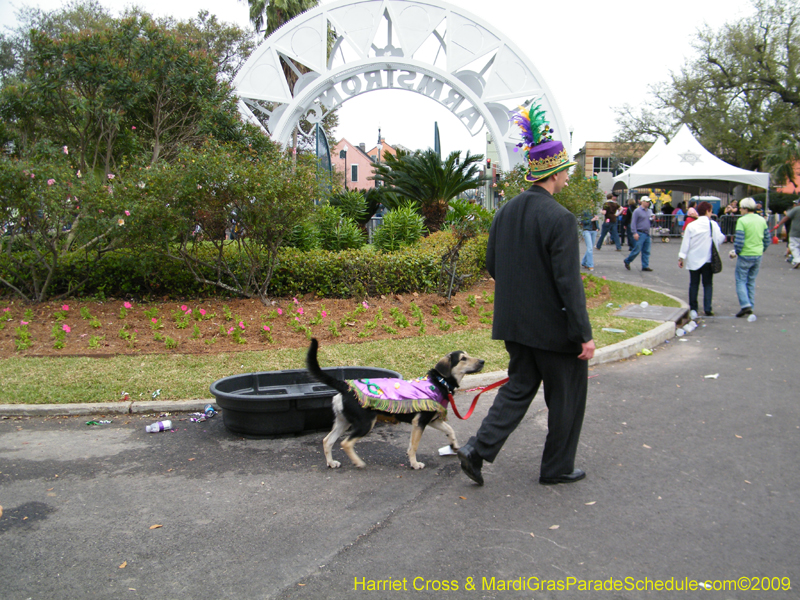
column 446, row 451
column 644, row 304
column 751, row 318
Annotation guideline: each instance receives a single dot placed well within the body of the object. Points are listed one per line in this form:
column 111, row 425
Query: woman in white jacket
column 696, row 252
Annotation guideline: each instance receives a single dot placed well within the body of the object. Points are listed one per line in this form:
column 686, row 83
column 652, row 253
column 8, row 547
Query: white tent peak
column 685, row 163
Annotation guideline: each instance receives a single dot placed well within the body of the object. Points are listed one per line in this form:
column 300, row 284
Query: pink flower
column 230, row 330
column 297, row 319
column 241, row 325
column 202, row 312
column 153, row 320
column 280, row 312
column 300, row 311
column 111, row 176
column 128, row 305
column 295, row 301
column 65, row 307
column 6, row 309
column 51, row 181
column 66, row 150
column 23, row 322
column 188, row 312
column 266, row 328
column 78, row 174
column 183, row 307
column 364, row 304
column 199, row 187
column 127, row 213
column 324, row 313
column 133, row 128
column 66, row 328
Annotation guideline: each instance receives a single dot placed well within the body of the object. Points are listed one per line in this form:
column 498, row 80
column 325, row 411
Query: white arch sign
column 431, row 48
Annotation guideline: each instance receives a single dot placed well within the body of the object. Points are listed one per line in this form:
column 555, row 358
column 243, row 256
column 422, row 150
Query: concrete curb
column 615, row 352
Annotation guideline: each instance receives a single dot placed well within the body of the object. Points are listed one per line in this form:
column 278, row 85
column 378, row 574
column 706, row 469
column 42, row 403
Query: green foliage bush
column 336, row 231
column 400, row 227
column 344, row 274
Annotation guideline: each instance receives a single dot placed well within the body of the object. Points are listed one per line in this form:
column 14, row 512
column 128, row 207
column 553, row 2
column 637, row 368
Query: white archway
column 430, row 48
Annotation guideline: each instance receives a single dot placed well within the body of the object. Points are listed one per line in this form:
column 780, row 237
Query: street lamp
column 343, row 154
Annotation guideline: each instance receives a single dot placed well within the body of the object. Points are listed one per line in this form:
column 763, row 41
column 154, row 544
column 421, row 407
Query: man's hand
column 636, row 236
column 587, row 350
column 680, row 263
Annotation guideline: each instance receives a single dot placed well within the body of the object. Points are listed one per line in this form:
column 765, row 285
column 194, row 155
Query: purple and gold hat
column 544, row 154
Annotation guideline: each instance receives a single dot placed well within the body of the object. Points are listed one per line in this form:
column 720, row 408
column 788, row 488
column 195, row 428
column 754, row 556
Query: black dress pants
column 565, row 379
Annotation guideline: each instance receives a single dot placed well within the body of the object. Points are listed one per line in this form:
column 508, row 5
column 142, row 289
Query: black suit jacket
column 534, row 256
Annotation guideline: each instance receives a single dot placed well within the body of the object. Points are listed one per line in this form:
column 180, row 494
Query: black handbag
column 716, row 261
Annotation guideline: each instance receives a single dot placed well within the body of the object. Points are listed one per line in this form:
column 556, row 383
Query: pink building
column 357, row 163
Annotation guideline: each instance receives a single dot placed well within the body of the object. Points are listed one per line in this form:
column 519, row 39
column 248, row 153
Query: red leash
column 494, row 385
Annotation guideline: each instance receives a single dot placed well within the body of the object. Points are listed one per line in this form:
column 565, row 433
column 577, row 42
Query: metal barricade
column 667, row 226
column 727, row 224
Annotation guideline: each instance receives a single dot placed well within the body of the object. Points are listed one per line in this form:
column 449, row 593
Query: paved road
column 689, row 478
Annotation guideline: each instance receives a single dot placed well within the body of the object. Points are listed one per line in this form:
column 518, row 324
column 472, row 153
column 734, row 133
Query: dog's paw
column 334, row 464
column 418, row 465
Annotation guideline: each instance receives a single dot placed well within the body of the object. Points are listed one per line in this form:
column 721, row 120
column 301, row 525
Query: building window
column 610, row 165
column 353, row 173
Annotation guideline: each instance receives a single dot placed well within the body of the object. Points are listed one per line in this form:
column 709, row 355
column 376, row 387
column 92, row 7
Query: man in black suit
column 540, row 312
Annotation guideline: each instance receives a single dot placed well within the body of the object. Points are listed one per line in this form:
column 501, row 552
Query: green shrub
column 400, row 227
column 336, row 231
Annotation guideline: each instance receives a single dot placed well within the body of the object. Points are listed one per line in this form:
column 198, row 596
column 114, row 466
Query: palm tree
column 268, row 15
column 430, row 183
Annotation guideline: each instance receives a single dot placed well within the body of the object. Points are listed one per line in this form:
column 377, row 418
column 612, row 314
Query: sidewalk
column 689, row 479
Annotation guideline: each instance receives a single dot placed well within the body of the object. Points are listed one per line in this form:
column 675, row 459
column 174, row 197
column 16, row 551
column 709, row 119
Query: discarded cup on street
column 751, row 318
column 158, row 426
column 714, row 376
column 680, row 332
column 644, row 304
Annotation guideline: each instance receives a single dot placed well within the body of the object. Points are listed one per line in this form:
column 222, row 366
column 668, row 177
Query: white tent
column 684, row 164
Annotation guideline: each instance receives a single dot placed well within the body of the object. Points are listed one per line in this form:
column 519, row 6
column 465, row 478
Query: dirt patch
column 110, row 328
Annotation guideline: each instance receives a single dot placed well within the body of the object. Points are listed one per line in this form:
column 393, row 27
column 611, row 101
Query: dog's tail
column 317, row 373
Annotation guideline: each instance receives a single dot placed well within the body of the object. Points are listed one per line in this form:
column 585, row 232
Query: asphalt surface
column 690, row 479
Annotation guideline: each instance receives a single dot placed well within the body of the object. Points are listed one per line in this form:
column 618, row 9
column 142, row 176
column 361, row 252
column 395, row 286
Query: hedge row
column 345, row 274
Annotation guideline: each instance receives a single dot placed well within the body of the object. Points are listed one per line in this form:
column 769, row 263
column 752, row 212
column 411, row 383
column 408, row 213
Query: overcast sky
column 593, row 55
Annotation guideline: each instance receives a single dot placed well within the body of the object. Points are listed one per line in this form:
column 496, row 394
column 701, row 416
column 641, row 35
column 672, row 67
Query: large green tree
column 739, row 92
column 120, row 87
column 428, row 181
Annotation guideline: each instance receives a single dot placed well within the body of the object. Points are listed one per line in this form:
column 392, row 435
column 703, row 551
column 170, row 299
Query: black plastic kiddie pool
column 282, row 402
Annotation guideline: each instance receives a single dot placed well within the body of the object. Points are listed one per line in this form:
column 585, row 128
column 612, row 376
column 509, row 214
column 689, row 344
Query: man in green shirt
column 752, row 238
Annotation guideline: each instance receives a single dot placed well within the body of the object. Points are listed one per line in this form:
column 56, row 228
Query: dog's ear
column 445, row 366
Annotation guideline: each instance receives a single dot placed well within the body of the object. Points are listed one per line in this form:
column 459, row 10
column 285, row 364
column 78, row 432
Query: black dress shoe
column 627, row 266
column 647, row 269
column 744, row 312
column 576, row 475
column 471, row 463
column 709, row 313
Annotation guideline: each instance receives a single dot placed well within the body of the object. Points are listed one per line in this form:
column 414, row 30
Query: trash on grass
column 644, row 304
column 92, row 423
column 156, row 394
column 612, row 330
column 647, row 352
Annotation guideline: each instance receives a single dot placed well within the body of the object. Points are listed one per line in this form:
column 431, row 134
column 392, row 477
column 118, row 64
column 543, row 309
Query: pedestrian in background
column 539, row 312
column 793, row 232
column 610, row 210
column 751, row 240
column 641, row 234
column 627, row 219
column 589, row 228
column 695, row 252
